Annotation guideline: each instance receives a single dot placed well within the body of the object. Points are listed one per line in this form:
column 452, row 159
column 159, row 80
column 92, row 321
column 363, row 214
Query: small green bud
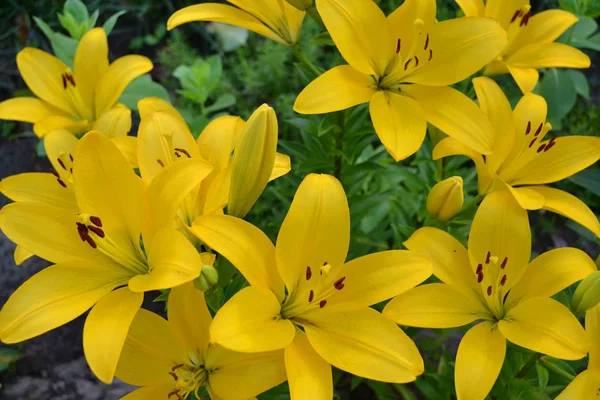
column 301, row 4
column 208, row 278
column 587, row 294
column 446, row 199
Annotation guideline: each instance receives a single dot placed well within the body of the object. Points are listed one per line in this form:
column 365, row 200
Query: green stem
column 301, row 57
column 312, row 12
column 556, row 370
column 338, row 158
column 528, row 365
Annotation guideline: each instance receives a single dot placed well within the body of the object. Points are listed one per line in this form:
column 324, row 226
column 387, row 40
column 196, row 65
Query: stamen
column 532, row 142
column 516, row 14
column 416, row 61
column 64, row 81
column 178, row 155
column 184, row 151
column 53, row 172
column 487, row 258
column 96, row 221
column 398, row 46
column 430, row 55
column 339, row 284
column 311, row 296
column 426, row 42
column 480, row 277
column 539, row 129
column 173, row 375
column 489, row 291
column 503, row 281
column 479, row 269
column 175, row 393
column 62, row 164
column 407, row 63
column 541, row 148
column 550, row 143
column 503, row 265
column 61, row 182
column 71, row 79
column 322, row 303
column 71, row 157
column 160, row 163
column 177, row 367
column 528, row 128
column 97, row 231
column 308, row 273
column 91, row 242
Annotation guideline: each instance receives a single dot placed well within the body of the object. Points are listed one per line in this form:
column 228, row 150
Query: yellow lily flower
column 402, row 65
column 495, row 283
column 73, row 100
column 164, row 139
column 273, row 19
column 521, row 157
column 587, row 384
column 97, row 251
column 327, row 298
column 173, row 359
column 531, row 39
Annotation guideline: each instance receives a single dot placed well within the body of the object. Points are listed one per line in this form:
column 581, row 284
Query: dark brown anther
column 311, row 296
column 541, row 148
column 53, row 172
column 539, row 129
column 173, row 375
column 339, row 284
column 325, row 263
column 71, row 170
column 91, row 242
column 525, row 19
column 322, row 303
column 71, row 157
column 426, row 42
column 62, row 164
column 532, row 142
column 487, row 258
column 406, row 64
column 96, row 221
column 64, row 81
column 489, row 291
column 430, row 55
column 503, row 265
column 308, row 273
column 528, row 128
column 178, row 155
column 480, row 277
column 175, row 393
column 160, row 163
column 82, row 230
column 71, row 79
column 175, row 368
column 184, row 151
column 516, row 14
column 479, row 269
column 416, row 61
column 503, row 280
column 99, row 232
column 61, row 182
column 398, row 46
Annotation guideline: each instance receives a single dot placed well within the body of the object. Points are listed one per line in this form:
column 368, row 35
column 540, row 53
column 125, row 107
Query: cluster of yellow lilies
column 121, row 215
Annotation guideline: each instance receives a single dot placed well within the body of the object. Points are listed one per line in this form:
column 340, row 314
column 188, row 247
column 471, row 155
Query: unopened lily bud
column 587, row 294
column 446, row 198
column 253, row 161
column 301, row 4
column 208, row 278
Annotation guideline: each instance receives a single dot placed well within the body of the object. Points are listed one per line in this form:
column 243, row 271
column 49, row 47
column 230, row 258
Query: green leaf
column 356, row 381
column 112, row 21
column 323, row 38
column 559, row 91
column 8, row 356
column 543, row 376
column 77, row 9
column 224, row 101
column 580, row 82
column 141, row 88
column 63, row 46
column 40, row 150
column 568, row 5
column 588, row 179
column 93, row 20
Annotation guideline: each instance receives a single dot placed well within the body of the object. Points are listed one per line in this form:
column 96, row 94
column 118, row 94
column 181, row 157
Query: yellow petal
column 399, row 122
column 54, row 122
column 55, row 296
column 294, row 18
column 309, row 376
column 219, row 138
column 549, row 55
column 149, row 352
column 569, row 206
column 526, row 78
column 337, row 89
column 316, row 229
column 471, row 8
column 449, row 259
column 241, row 376
column 91, row 63
column 158, row 392
column 364, row 343
column 114, row 122
column 435, row 305
column 496, row 107
column 245, row 246
column 543, row 27
column 458, row 48
column 105, row 331
column 501, row 228
column 152, row 104
column 189, row 317
column 380, row 276
column 39, row 187
column 585, row 386
column 527, row 198
column 172, row 260
column 118, row 75
column 503, row 10
column 283, row 165
column 225, row 15
column 592, row 327
column 454, row 114
column 360, row 32
column 48, row 232
column 21, row 255
column 478, row 361
column 251, row 322
column 546, row 326
column 550, row 273
column 446, row 198
column 127, row 145
column 402, row 21
column 27, row 109
column 43, row 74
column 60, row 148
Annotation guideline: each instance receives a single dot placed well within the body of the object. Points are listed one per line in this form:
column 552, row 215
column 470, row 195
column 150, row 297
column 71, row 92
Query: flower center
column 189, row 378
column 492, row 276
column 70, row 87
column 538, row 136
column 63, row 176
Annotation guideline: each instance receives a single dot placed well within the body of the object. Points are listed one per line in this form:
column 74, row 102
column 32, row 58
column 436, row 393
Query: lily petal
column 149, row 105
column 380, row 276
column 118, row 75
column 546, row 326
column 316, row 229
column 526, row 78
column 503, row 10
column 157, row 392
column 115, row 122
column 91, row 63
column 127, row 145
column 527, row 198
column 39, row 187
column 585, row 386
column 21, row 255
column 283, row 165
column 53, row 122
column 478, row 362
column 399, row 122
column 105, row 331
column 27, row 109
column 401, row 21
column 245, row 246
column 454, row 114
column 251, row 322
column 549, row 55
column 592, row 326
column 189, row 316
column 361, row 33
column 569, row 206
column 150, row 351
column 435, row 305
column 550, row 273
column 60, row 146
column 309, row 375
column 471, row 8
column 543, row 27
column 364, row 343
column 219, row 138
column 339, row 88
column 37, row 307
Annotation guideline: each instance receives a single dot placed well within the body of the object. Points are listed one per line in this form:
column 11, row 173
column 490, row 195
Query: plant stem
column 556, row 370
column 338, row 158
column 312, row 12
column 301, row 57
column 528, row 365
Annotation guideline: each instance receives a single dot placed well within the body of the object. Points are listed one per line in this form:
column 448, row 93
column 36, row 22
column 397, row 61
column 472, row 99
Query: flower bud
column 301, row 4
column 207, row 279
column 253, row 161
column 446, row 198
column 587, row 294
